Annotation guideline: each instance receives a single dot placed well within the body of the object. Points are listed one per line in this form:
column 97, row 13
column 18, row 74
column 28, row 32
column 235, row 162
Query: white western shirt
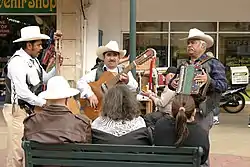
column 86, row 90
column 18, row 68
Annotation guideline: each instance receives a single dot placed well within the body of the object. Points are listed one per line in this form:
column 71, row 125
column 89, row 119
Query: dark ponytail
column 181, row 127
column 183, row 107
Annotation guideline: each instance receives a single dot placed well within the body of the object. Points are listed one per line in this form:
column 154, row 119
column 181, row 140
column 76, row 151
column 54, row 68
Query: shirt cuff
column 41, row 102
column 87, row 95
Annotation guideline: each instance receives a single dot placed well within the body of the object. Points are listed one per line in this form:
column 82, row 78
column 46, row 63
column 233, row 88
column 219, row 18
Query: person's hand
column 148, row 94
column 58, row 35
column 202, row 78
column 93, row 101
column 124, row 78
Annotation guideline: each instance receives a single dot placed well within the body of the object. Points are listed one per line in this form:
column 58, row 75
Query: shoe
column 249, row 124
column 217, row 122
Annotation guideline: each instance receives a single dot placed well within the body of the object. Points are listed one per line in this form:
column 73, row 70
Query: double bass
column 72, row 103
column 107, row 81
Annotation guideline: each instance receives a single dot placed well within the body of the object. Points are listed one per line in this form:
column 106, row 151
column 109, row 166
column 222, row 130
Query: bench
column 94, row 155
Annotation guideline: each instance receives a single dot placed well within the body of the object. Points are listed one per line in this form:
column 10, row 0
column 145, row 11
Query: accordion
column 187, row 85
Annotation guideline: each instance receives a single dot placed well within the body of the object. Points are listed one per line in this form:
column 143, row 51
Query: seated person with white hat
column 111, row 55
column 56, row 123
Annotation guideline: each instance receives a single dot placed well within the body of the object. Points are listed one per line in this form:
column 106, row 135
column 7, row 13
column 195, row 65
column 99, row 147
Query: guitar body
column 96, row 87
column 107, row 81
column 73, row 106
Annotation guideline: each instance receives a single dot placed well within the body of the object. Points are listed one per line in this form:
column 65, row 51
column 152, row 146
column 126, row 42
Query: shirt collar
column 23, row 54
column 199, row 59
column 105, row 68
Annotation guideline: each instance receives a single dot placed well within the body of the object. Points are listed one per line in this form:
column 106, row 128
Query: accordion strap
column 204, row 91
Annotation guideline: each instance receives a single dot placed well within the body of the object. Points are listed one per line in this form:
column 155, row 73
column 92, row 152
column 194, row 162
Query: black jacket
column 137, row 137
column 165, row 135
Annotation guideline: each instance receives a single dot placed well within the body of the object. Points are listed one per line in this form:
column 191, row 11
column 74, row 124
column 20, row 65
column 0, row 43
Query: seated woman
column 163, row 103
column 120, row 121
column 56, row 123
column 181, row 129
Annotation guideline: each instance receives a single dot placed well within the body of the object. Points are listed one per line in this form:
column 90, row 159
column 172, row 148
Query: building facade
column 50, row 15
column 161, row 24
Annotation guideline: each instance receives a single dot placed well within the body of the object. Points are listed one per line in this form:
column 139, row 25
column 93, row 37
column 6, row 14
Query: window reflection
column 234, row 26
column 157, row 41
column 186, row 26
column 151, row 26
column 234, row 49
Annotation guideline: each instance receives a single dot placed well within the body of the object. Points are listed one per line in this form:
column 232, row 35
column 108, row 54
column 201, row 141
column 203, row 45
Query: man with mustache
column 213, row 73
column 24, row 78
column 111, row 55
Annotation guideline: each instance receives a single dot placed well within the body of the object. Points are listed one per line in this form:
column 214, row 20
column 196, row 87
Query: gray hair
column 203, row 43
column 120, row 104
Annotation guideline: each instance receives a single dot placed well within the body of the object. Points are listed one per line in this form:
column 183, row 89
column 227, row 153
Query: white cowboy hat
column 194, row 33
column 31, row 33
column 111, row 46
column 58, row 88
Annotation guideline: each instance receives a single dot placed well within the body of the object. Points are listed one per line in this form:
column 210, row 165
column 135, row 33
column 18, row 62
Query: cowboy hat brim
column 49, row 95
column 103, row 49
column 207, row 38
column 38, row 37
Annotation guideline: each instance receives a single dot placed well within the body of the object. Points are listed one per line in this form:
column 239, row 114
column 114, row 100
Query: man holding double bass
column 24, row 79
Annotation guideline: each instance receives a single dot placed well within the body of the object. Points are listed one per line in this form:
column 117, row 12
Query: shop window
column 234, row 49
column 186, row 26
column 152, row 26
column 234, row 26
column 178, row 48
column 10, row 26
column 157, row 41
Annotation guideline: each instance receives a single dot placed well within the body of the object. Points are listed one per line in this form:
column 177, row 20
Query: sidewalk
column 230, row 141
column 220, row 160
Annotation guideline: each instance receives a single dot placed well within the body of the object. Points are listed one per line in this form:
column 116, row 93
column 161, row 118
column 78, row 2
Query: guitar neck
column 142, row 58
column 57, row 65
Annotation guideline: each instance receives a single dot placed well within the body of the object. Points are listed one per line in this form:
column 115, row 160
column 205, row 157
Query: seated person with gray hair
column 120, row 121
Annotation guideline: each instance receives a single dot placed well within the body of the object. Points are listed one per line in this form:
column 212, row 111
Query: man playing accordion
column 212, row 76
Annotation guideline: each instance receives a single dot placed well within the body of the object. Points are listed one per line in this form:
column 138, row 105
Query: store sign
column 4, row 27
column 27, row 6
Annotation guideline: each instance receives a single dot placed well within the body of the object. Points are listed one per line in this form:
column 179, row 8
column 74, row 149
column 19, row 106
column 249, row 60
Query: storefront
column 49, row 15
column 161, row 24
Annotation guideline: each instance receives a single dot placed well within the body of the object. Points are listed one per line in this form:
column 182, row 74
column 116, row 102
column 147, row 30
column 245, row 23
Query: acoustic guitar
column 107, row 81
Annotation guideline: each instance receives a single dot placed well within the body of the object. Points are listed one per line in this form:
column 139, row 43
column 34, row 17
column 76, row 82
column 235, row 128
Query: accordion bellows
column 187, row 85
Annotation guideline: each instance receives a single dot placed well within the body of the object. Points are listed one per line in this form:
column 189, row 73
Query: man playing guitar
column 111, row 55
